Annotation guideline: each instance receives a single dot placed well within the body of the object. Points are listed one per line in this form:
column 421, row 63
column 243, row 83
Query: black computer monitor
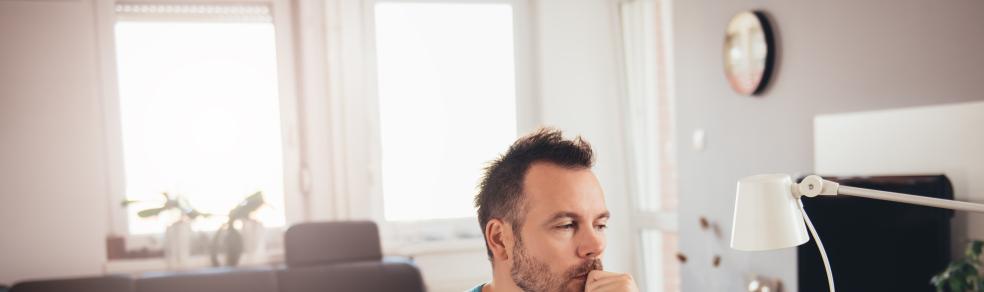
column 877, row 245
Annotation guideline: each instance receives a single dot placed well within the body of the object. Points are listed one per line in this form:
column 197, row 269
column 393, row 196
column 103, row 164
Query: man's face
column 562, row 235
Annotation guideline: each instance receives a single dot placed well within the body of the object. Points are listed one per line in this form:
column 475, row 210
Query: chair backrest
column 321, row 243
column 363, row 276
column 342, row 256
column 113, row 283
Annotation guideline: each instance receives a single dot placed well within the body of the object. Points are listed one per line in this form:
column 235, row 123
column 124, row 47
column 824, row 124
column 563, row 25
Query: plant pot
column 177, row 244
column 254, row 242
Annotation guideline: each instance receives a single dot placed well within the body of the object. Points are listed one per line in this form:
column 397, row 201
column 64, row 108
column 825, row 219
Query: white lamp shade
column 767, row 214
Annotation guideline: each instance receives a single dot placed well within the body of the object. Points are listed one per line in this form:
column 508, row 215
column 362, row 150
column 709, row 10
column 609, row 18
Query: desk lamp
column 769, row 213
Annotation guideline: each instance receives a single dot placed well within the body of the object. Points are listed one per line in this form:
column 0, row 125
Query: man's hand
column 601, row 281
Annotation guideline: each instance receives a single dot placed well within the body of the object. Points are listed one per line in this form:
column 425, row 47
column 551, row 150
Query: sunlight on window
column 447, row 103
column 200, row 118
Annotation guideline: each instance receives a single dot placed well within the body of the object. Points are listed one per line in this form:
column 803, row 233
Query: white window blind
column 233, row 12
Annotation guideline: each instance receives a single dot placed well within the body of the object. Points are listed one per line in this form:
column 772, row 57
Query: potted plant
column 963, row 274
column 177, row 236
column 177, row 202
column 239, row 234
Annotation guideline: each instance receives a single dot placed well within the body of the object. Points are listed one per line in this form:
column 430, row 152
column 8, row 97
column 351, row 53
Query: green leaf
column 963, row 274
column 183, row 204
column 151, row 212
column 246, row 207
column 975, row 248
column 956, row 285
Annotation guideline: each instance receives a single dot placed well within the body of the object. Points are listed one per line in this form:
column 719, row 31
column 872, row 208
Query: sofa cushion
column 213, row 280
column 89, row 284
column 319, row 243
column 375, row 276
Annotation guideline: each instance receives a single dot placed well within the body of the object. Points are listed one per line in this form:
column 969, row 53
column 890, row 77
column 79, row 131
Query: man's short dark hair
column 501, row 190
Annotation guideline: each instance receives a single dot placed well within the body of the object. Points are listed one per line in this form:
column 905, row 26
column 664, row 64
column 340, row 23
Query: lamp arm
column 814, row 185
column 910, row 199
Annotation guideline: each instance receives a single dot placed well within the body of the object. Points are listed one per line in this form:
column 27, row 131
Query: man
column 543, row 215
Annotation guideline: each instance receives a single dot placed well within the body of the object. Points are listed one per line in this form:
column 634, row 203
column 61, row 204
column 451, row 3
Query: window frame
column 663, row 220
column 117, row 219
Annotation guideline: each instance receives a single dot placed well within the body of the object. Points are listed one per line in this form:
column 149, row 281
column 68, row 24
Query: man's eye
column 601, row 226
column 567, row 226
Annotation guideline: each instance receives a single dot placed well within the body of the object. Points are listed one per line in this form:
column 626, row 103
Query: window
column 648, row 96
column 446, row 76
column 200, row 113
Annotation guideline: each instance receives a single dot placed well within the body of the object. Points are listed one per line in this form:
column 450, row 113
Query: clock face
column 748, row 52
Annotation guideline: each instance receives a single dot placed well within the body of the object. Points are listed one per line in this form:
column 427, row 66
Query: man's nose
column 591, row 243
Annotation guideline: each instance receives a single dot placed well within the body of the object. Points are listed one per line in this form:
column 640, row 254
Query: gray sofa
column 320, row 257
column 92, row 284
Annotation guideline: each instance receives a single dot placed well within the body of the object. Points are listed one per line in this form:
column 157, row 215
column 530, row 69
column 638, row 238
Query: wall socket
column 764, row 284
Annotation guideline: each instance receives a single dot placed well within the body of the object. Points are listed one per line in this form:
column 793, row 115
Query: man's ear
column 499, row 237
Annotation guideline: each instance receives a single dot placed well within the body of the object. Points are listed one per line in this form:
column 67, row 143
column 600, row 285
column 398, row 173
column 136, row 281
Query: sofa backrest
column 321, row 243
column 214, row 280
column 320, row 257
column 89, row 284
column 354, row 277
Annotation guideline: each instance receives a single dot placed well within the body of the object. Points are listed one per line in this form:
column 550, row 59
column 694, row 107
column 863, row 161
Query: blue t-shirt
column 477, row 288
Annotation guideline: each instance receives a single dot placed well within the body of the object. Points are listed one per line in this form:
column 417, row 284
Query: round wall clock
column 749, row 52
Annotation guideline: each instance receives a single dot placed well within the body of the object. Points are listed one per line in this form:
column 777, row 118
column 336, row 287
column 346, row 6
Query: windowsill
column 275, row 254
column 434, row 247
column 431, row 237
column 276, row 257
column 272, row 241
column 196, row 262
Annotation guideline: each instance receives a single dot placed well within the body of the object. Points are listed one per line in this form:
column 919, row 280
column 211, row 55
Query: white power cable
column 823, row 252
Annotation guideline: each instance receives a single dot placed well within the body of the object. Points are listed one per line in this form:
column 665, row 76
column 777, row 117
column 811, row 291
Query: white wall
column 834, row 56
column 53, row 199
column 942, row 139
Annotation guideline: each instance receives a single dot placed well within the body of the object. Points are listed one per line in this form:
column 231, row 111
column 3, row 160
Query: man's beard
column 533, row 275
